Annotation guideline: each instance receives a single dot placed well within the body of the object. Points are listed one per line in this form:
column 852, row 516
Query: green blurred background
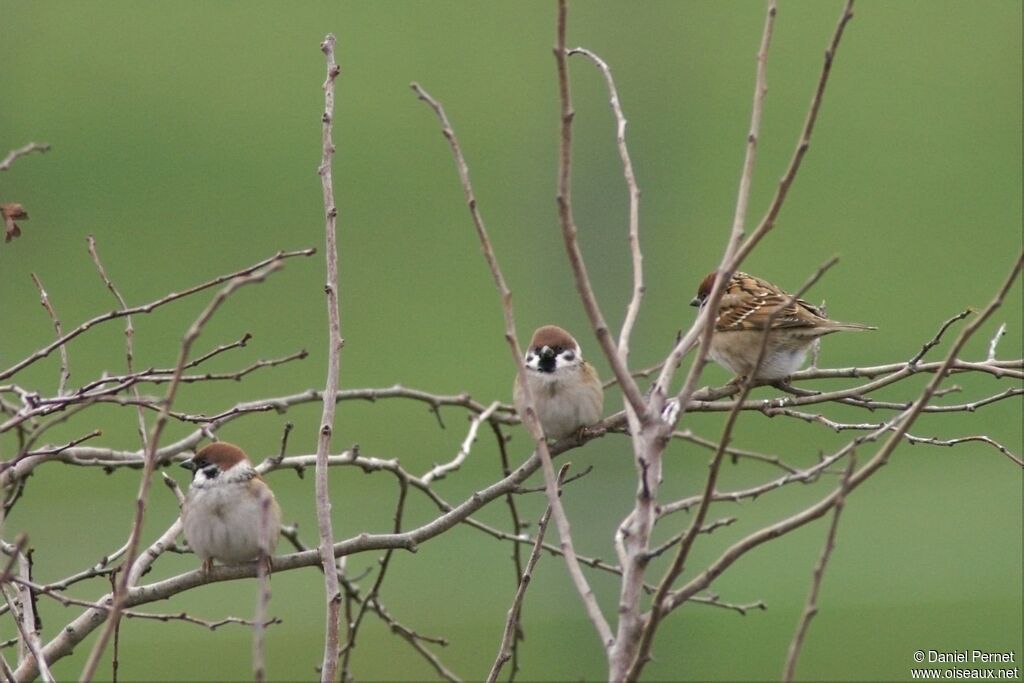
column 186, row 138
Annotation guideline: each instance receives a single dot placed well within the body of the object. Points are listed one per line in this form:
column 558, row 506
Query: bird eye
column 211, row 471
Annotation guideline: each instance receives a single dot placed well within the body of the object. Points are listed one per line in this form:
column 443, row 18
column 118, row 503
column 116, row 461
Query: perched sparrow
column 566, row 390
column 222, row 514
column 745, row 313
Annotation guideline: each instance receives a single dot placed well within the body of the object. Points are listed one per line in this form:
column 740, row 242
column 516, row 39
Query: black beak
column 695, row 301
column 189, row 465
column 547, row 360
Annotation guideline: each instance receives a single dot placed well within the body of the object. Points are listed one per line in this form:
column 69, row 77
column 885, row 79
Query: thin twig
column 16, row 154
column 517, row 527
column 995, row 342
column 803, row 144
column 633, row 308
column 371, row 596
column 965, row 439
column 529, row 417
column 30, row 639
column 510, row 634
column 905, row 421
column 633, row 539
column 148, row 308
column 65, row 369
column 658, row 603
column 150, row 461
column 442, row 470
column 934, row 341
column 811, row 607
column 415, row 639
column 129, row 333
column 629, row 387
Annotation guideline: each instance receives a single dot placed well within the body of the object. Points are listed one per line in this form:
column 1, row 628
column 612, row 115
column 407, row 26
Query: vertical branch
column 633, row 538
column 259, row 622
column 517, row 527
column 28, row 636
column 803, row 144
column 633, row 308
column 25, row 616
column 529, row 416
column 370, row 601
column 811, row 608
column 129, row 335
column 704, row 326
column 65, row 371
column 332, row 639
column 659, row 603
column 511, row 632
column 569, row 231
column 899, row 426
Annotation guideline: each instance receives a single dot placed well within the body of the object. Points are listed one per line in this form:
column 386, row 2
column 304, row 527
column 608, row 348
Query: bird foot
column 266, row 564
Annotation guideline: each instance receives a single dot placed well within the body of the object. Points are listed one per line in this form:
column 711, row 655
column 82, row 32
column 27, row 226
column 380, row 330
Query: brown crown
column 224, row 454
column 706, row 284
column 552, row 336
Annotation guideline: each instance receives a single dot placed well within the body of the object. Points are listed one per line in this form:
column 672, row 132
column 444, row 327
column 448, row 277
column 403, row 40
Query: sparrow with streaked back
column 230, row 514
column 567, row 392
column 749, row 309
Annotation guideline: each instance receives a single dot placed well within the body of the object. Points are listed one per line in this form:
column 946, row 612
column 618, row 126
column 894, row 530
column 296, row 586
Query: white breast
column 223, row 522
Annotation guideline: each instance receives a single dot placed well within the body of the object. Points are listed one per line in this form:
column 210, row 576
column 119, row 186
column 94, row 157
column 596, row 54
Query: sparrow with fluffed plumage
column 223, row 513
column 750, row 308
column 567, row 392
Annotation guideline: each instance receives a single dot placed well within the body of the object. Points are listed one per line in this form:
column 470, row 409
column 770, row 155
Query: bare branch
column 509, row 635
column 16, row 154
column 934, row 341
column 22, row 606
column 658, row 603
column 332, row 638
column 736, row 453
column 440, row 471
column 569, row 231
column 530, row 414
column 65, row 371
column 633, row 309
column 768, row 222
column 129, row 333
column 149, row 308
column 416, row 640
column 995, row 341
column 811, row 607
column 965, row 439
column 259, row 621
column 704, row 326
column 150, row 463
column 371, row 596
column 905, row 420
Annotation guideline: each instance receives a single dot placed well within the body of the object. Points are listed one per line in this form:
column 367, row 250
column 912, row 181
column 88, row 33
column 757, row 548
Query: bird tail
column 850, row 327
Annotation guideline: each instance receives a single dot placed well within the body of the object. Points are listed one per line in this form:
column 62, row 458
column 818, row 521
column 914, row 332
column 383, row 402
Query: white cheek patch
column 531, row 360
column 568, row 359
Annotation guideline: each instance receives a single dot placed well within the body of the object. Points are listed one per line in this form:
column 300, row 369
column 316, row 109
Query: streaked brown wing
column 749, row 304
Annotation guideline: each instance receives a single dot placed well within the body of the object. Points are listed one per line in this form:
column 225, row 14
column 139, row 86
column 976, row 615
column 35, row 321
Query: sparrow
column 744, row 316
column 223, row 510
column 566, row 391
